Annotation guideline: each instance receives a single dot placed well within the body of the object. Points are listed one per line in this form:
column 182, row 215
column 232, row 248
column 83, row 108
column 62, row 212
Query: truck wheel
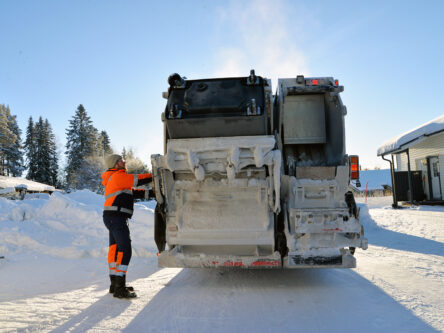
column 159, row 228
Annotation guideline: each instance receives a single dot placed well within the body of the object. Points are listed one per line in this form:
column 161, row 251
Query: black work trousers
column 119, row 235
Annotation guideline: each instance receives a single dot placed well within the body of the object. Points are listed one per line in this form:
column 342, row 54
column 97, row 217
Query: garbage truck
column 253, row 179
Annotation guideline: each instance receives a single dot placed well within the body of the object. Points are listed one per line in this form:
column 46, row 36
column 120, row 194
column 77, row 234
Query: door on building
column 435, row 179
column 422, row 164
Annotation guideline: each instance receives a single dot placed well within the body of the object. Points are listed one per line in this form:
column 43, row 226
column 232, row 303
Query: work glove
column 149, row 194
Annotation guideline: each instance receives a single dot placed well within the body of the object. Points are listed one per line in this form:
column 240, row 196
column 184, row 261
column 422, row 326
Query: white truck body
column 248, row 200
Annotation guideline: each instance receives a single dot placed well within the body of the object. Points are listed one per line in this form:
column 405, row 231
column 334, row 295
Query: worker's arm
column 143, row 179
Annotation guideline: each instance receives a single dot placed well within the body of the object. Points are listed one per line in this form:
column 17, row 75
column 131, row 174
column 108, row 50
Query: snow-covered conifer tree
column 133, row 163
column 104, row 144
column 42, row 152
column 88, row 174
column 14, row 154
column 7, row 138
column 52, row 152
column 31, row 150
column 81, row 144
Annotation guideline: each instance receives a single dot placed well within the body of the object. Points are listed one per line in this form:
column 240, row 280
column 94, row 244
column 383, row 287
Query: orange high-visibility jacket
column 119, row 192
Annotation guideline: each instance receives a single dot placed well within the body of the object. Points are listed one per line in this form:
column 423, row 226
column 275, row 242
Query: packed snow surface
column 433, row 126
column 53, row 277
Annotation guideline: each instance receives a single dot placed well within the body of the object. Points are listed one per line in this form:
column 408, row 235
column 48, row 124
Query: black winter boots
column 119, row 289
column 112, row 278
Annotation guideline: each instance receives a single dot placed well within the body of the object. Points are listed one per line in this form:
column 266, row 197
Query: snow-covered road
column 54, row 278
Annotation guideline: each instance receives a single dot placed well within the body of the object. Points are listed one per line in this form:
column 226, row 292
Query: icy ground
column 54, row 278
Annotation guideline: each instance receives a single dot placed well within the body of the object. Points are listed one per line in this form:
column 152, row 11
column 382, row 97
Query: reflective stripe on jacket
column 119, row 198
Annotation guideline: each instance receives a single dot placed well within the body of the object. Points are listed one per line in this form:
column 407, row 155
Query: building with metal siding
column 416, row 159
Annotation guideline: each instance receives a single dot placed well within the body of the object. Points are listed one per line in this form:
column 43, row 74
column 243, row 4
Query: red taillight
column 337, row 82
column 354, row 167
column 315, row 82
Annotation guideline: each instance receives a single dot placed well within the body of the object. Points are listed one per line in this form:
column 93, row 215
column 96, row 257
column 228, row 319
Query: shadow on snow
column 106, row 306
column 396, row 240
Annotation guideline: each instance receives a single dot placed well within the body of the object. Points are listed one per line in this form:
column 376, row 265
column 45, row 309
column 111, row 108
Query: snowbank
column 66, row 226
column 427, row 129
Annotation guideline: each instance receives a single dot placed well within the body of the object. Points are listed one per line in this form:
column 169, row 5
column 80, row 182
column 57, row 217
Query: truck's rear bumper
column 175, row 258
column 345, row 260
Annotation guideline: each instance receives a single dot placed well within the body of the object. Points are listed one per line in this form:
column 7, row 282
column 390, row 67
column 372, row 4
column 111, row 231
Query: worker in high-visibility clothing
column 119, row 205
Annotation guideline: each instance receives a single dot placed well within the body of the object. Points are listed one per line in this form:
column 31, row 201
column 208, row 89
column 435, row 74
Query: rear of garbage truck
column 255, row 180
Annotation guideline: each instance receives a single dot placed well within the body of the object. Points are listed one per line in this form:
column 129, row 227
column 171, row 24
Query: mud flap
column 159, row 228
column 280, row 238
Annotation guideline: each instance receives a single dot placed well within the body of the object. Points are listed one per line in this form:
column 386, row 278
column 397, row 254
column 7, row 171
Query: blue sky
column 114, row 57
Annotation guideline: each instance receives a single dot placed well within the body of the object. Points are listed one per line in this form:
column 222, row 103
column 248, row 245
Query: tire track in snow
column 318, row 300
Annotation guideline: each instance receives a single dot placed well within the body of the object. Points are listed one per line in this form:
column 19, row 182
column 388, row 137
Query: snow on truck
column 255, row 180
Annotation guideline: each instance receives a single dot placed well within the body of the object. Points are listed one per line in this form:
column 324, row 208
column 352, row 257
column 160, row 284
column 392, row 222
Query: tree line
column 38, row 155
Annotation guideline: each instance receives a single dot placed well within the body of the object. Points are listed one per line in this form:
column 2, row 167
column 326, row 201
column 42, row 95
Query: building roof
column 412, row 137
column 30, row 185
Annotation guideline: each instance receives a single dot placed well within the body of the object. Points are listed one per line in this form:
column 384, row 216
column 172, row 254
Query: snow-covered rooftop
column 30, row 185
column 413, row 136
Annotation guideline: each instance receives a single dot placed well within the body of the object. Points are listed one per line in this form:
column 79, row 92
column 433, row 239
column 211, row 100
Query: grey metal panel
column 217, row 127
column 304, row 119
column 218, row 108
